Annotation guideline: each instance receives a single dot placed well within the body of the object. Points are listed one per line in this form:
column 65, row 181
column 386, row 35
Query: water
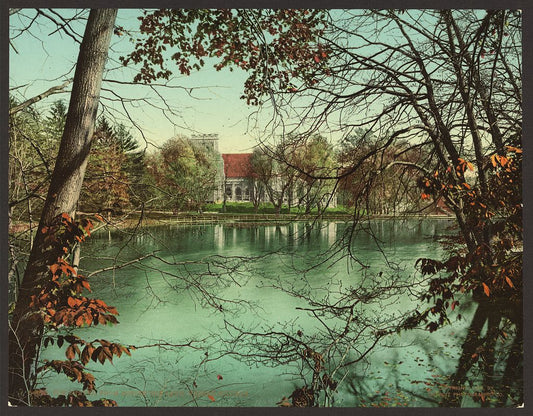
column 208, row 281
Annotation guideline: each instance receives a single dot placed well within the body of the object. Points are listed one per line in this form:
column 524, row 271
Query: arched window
column 228, row 192
column 246, row 194
column 238, row 193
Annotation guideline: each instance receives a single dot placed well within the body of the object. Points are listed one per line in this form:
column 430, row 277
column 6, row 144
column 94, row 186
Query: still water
column 203, row 277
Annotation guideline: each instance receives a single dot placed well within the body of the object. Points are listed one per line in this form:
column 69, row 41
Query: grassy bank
column 268, row 208
column 237, row 214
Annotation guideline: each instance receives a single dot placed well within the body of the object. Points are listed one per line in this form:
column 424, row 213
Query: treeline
column 364, row 173
column 303, row 173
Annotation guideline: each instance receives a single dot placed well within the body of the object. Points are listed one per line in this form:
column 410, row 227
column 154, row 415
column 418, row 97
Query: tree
column 26, row 323
column 278, row 48
column 386, row 182
column 184, row 173
column 450, row 82
column 276, row 178
column 106, row 185
column 66, row 180
column 312, row 158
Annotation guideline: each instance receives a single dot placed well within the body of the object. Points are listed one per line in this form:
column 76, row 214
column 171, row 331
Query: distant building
column 235, row 181
column 238, row 176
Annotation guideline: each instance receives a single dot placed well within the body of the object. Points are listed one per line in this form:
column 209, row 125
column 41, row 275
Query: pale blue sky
column 44, row 60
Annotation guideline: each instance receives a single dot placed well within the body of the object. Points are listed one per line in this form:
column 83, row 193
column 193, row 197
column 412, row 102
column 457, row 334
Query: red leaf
column 71, row 302
column 113, row 310
column 486, row 289
column 509, row 282
column 86, row 285
column 211, row 397
column 317, row 59
column 219, row 377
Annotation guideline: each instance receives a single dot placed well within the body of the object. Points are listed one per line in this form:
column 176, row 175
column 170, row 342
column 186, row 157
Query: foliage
column 373, row 174
column 33, row 143
column 312, row 157
column 277, row 178
column 107, row 183
column 185, row 174
column 492, row 273
column 61, row 304
column 273, row 46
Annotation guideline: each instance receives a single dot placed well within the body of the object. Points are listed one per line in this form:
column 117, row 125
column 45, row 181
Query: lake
column 240, row 296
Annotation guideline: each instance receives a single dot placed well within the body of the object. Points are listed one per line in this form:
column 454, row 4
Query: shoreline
column 134, row 220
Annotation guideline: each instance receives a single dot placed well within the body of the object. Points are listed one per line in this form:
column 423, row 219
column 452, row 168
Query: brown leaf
column 69, row 353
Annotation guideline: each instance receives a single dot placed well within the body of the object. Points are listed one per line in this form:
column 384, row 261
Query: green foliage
column 33, row 144
column 313, row 159
column 184, row 175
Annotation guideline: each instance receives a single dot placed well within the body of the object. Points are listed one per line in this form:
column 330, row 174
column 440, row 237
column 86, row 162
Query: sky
column 205, row 102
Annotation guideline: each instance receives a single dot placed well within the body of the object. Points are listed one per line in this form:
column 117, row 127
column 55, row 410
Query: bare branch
column 54, row 90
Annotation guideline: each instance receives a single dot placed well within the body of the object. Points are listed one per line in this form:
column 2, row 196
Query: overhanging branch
column 54, row 90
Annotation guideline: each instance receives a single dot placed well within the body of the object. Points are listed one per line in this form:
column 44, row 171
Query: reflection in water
column 176, row 300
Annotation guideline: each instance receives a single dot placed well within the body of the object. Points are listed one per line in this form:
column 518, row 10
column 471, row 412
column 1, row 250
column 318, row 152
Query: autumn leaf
column 69, row 353
column 514, row 149
column 86, row 285
column 486, row 289
column 509, row 282
column 219, row 377
column 211, row 397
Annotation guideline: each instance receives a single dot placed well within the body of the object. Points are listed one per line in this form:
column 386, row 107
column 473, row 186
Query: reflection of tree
column 350, row 323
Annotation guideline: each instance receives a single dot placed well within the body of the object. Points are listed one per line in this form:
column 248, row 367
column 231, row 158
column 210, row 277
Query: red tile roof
column 237, row 165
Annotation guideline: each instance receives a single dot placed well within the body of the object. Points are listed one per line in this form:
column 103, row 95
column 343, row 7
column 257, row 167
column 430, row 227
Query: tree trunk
column 26, row 324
